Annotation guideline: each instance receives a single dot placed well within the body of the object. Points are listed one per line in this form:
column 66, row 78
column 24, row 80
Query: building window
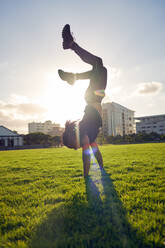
column 2, row 142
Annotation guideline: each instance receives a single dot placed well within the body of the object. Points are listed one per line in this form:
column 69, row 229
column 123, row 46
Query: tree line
column 47, row 140
column 42, row 139
column 135, row 138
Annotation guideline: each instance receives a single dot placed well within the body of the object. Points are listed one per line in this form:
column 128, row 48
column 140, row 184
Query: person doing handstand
column 84, row 133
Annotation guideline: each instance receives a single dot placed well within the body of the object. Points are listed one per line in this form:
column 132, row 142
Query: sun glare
column 62, row 101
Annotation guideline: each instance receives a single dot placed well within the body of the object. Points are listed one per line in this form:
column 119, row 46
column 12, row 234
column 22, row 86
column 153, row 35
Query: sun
column 63, row 101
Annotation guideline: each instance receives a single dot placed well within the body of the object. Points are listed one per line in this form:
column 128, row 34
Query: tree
column 57, row 141
column 37, row 139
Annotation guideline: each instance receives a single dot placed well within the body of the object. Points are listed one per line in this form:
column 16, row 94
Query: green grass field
column 46, row 202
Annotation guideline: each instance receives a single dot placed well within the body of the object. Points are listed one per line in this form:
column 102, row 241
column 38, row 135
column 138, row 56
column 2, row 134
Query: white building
column 56, row 131
column 47, row 128
column 149, row 124
column 9, row 138
column 117, row 120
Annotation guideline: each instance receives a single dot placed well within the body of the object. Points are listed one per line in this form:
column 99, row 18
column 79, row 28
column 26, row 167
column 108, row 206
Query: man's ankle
column 73, row 45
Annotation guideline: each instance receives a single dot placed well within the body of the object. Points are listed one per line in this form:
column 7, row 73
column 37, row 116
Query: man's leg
column 68, row 42
column 97, row 154
column 86, row 56
column 86, row 156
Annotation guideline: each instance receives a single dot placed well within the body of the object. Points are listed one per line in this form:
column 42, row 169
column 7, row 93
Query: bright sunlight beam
column 62, row 101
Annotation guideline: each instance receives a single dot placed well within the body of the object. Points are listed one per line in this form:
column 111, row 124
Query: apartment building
column 149, row 124
column 46, row 127
column 117, row 119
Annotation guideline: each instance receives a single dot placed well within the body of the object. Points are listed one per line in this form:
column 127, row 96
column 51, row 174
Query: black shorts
column 90, row 124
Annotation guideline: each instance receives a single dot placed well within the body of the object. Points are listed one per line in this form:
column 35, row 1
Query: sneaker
column 67, row 37
column 67, row 76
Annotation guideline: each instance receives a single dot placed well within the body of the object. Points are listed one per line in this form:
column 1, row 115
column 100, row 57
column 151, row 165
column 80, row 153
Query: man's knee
column 93, row 144
column 99, row 62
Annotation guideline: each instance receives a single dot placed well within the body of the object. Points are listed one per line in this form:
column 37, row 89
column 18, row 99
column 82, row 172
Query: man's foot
column 67, row 76
column 67, row 37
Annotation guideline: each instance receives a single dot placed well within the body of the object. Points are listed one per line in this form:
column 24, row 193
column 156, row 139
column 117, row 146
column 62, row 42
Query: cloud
column 149, row 88
column 114, row 81
column 113, row 72
column 24, row 108
column 31, row 109
column 13, row 124
column 16, row 115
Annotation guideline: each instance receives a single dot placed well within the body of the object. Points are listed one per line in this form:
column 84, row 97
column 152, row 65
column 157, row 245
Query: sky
column 128, row 35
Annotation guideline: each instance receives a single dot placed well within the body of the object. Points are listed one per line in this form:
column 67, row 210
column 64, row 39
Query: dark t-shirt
column 90, row 124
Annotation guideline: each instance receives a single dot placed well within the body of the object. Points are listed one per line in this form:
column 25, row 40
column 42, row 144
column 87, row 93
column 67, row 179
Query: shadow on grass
column 95, row 221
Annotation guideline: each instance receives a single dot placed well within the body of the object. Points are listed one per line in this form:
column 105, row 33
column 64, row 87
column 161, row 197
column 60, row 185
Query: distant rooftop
column 149, row 116
column 7, row 132
column 118, row 105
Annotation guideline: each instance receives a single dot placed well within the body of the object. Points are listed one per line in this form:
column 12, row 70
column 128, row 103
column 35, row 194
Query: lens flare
column 88, row 151
column 94, row 149
column 91, row 152
column 100, row 92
